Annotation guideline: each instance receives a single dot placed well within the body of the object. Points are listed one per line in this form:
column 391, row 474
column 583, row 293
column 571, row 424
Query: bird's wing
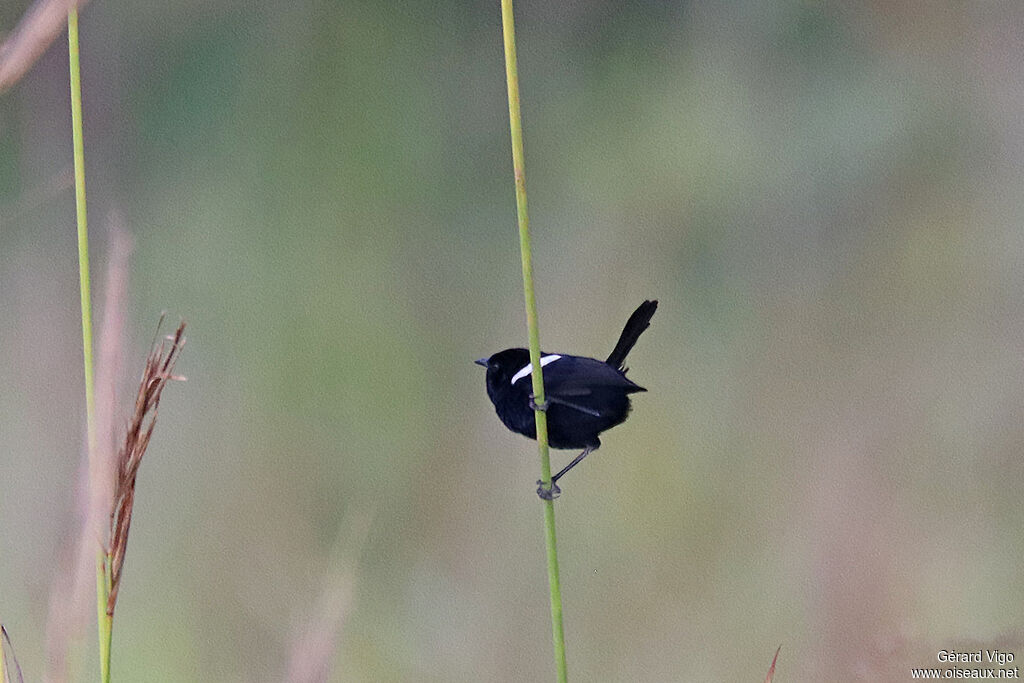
column 570, row 375
column 583, row 383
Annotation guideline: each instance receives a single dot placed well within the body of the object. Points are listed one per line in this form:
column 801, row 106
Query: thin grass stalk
column 516, row 128
column 104, row 621
column 10, row 670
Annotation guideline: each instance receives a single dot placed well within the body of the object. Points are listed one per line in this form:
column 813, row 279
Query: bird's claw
column 542, row 407
column 546, row 493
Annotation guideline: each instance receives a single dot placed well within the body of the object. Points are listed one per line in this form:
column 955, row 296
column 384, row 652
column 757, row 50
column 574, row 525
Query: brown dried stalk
column 40, row 25
column 315, row 646
column 155, row 377
column 74, row 579
column 771, row 669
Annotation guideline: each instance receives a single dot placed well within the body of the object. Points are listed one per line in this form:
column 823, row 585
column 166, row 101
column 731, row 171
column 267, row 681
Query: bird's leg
column 552, row 493
column 575, row 461
column 549, row 400
column 574, row 406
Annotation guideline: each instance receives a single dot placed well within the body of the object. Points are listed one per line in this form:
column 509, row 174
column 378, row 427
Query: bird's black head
column 502, row 367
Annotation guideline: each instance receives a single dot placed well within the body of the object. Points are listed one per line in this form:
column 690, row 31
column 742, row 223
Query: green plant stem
column 104, row 621
column 516, row 127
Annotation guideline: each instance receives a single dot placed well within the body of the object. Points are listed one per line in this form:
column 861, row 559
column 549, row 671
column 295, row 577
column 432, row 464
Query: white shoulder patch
column 529, row 367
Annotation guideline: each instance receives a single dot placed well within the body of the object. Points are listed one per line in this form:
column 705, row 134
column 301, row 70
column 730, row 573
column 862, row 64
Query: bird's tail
column 635, row 326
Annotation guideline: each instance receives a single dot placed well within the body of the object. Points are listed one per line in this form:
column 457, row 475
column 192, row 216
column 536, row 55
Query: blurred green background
column 825, row 196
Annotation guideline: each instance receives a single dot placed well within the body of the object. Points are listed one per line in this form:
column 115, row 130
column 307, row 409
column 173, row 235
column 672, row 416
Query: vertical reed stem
column 104, row 621
column 516, row 127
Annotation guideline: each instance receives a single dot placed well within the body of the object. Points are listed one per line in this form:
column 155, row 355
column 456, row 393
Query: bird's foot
column 542, row 407
column 546, row 493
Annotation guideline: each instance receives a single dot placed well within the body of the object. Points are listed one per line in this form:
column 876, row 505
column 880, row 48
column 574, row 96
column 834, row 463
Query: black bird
column 583, row 396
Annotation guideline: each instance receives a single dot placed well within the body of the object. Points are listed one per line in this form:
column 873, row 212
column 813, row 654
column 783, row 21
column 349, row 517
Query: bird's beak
column 481, row 361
